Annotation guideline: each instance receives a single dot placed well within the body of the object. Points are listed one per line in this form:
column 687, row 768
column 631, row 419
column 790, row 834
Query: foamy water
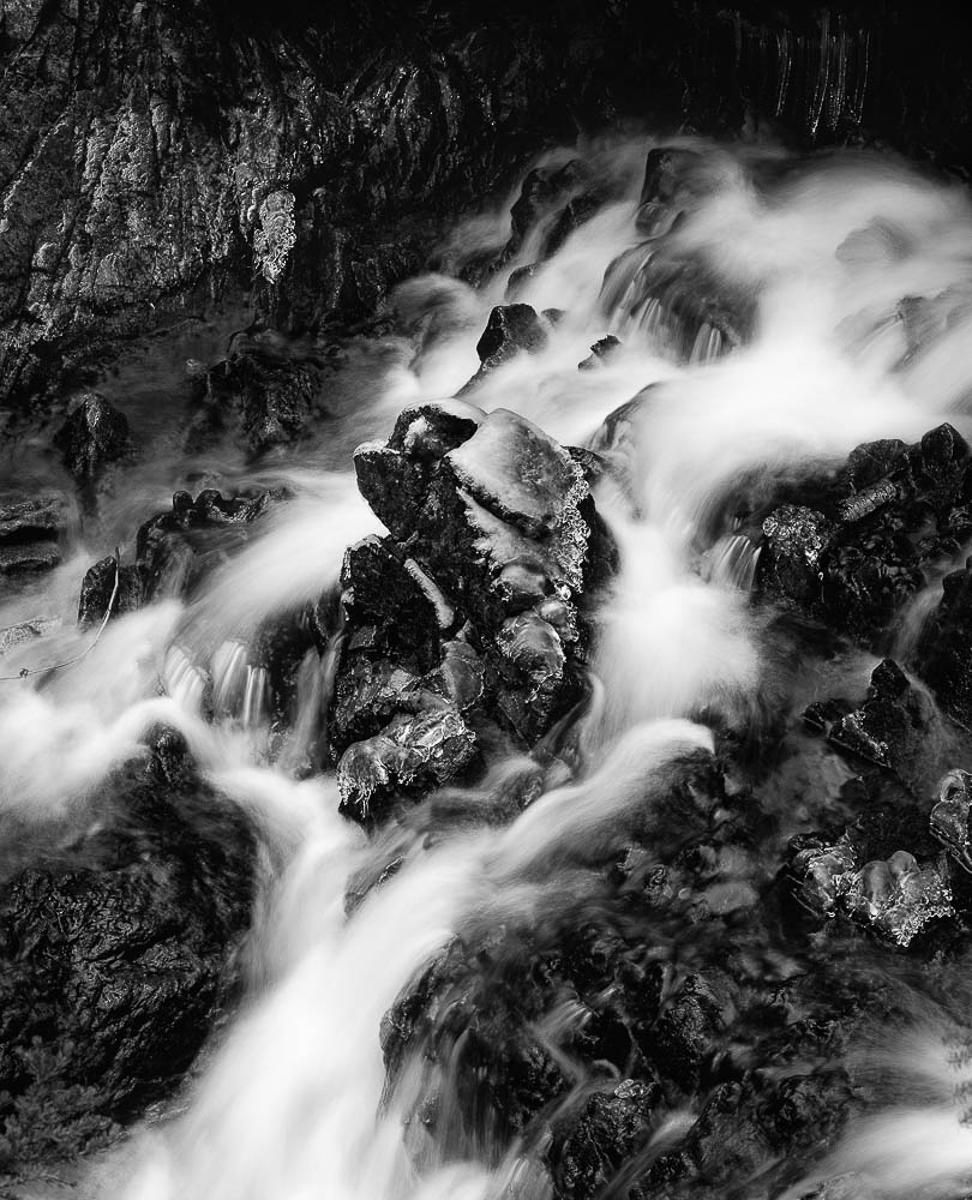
column 291, row 1106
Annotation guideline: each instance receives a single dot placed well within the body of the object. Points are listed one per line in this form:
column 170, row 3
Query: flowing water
column 291, row 1102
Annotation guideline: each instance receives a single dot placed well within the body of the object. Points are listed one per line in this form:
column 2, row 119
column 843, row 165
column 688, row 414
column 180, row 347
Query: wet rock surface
column 174, row 550
column 31, row 535
column 168, row 157
column 512, row 329
column 589, row 1033
column 265, row 398
column 880, row 530
column 476, row 610
column 94, row 436
column 117, row 955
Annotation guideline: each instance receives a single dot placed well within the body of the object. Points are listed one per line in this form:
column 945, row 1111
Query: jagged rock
column 95, row 435
column 897, row 727
column 573, row 215
column 370, row 691
column 99, row 586
column 172, row 550
column 479, row 596
column 394, row 478
column 602, row 351
column 381, row 588
column 691, row 1026
column 791, row 563
column 674, row 179
column 30, row 534
column 870, row 538
column 116, row 956
column 512, row 329
column 542, row 192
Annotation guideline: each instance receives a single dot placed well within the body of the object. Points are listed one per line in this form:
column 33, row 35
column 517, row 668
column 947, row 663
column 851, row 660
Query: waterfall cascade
column 635, row 954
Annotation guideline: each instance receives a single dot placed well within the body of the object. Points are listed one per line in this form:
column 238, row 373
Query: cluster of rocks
column 853, row 548
column 588, row 1033
column 174, row 551
column 583, row 1036
column 474, row 610
column 873, row 535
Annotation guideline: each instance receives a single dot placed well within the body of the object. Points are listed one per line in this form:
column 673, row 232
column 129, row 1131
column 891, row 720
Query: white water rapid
column 290, row 1102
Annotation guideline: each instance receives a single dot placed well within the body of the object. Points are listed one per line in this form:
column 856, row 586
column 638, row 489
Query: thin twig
column 27, row 672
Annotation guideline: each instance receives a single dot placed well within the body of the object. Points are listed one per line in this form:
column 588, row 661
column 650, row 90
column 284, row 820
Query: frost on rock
column 897, row 898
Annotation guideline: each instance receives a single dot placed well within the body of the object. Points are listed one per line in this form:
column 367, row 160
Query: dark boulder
column 94, row 436
column 854, row 546
column 542, row 193
column 791, row 563
column 108, row 589
column 512, row 329
column 173, row 551
column 603, row 351
column 675, row 179
column 589, row 1150
column 117, row 955
column 898, row 728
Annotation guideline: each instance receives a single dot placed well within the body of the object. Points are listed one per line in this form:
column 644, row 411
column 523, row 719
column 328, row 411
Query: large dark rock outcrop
column 116, row 953
column 475, row 609
column 855, row 547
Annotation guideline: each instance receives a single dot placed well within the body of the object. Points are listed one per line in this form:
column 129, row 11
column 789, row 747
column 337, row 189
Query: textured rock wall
column 156, row 155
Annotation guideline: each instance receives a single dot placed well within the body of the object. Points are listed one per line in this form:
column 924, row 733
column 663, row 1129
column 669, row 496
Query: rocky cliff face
column 156, row 158
column 160, row 158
